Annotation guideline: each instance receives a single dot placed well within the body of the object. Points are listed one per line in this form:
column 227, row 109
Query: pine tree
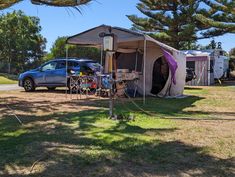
column 181, row 23
column 59, row 3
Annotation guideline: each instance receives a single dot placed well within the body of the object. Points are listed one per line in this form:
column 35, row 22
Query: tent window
column 191, row 65
column 130, row 61
column 222, row 53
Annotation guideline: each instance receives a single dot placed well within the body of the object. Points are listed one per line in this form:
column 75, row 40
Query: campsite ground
column 192, row 136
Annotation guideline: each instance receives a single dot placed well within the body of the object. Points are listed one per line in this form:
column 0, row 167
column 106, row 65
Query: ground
column 63, row 136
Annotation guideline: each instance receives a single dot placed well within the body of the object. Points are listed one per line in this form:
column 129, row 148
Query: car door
column 48, row 72
column 218, row 67
column 60, row 73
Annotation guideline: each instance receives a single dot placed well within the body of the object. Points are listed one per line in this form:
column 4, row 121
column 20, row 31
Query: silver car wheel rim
column 28, row 85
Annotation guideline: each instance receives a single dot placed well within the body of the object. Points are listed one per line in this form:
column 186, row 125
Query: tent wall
column 178, row 88
column 153, row 53
column 171, row 89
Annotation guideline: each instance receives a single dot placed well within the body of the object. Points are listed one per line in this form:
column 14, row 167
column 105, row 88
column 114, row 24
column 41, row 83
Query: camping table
column 81, row 84
column 130, row 79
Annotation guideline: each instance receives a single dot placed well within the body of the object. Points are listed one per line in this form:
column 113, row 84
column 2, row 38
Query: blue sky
column 65, row 22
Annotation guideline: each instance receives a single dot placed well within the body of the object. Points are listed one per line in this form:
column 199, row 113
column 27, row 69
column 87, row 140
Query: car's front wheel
column 29, row 85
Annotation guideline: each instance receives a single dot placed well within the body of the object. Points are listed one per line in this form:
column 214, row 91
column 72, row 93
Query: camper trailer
column 160, row 68
column 208, row 65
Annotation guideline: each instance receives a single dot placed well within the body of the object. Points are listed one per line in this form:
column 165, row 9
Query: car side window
column 72, row 64
column 49, row 66
column 75, row 64
column 61, row 65
column 86, row 69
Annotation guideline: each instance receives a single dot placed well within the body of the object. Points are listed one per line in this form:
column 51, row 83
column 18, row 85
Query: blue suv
column 53, row 73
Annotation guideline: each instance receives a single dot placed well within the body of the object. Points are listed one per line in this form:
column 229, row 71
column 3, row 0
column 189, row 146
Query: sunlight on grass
column 15, row 133
column 4, row 80
column 195, row 91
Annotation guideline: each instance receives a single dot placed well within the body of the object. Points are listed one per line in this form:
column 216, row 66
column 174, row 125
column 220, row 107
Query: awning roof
column 92, row 37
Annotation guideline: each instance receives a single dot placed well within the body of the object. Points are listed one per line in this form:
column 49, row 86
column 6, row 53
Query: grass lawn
column 8, row 79
column 60, row 136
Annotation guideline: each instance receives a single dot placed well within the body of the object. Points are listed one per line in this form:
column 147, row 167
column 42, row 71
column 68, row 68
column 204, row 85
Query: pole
column 144, row 74
column 101, row 55
column 208, row 71
column 66, row 70
column 101, row 70
column 111, row 82
column 136, row 60
column 111, row 102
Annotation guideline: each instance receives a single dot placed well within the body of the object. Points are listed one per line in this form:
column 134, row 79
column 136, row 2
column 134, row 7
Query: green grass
column 87, row 143
column 96, row 139
column 8, row 79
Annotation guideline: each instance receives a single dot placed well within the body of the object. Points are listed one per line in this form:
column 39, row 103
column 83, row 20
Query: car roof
column 74, row 59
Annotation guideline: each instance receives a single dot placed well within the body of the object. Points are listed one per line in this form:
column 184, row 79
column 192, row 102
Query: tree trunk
column 9, row 66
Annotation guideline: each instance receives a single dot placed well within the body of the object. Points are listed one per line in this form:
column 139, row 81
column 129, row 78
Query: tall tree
column 211, row 45
column 58, row 50
column 182, row 22
column 232, row 60
column 232, row 53
column 21, row 43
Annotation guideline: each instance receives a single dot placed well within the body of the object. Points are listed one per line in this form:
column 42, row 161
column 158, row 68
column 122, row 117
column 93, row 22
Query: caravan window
column 211, row 66
column 191, row 65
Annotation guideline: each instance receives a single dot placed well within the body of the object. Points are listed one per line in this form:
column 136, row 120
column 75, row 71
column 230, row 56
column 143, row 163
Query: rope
column 14, row 114
column 138, row 107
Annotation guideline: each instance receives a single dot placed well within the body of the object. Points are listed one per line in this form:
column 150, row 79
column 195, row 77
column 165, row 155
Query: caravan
column 208, row 65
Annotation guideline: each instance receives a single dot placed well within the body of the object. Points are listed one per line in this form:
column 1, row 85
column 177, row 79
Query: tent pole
column 101, row 57
column 101, row 72
column 136, row 60
column 144, row 74
column 66, row 68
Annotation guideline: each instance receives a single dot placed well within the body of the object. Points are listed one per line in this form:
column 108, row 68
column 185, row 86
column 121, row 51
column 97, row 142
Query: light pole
column 110, row 47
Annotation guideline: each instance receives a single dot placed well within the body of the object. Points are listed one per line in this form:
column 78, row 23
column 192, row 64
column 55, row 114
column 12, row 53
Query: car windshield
column 94, row 66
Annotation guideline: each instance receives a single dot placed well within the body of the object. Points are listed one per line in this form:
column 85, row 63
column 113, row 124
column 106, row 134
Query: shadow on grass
column 76, row 144
column 45, row 90
column 33, row 106
column 162, row 107
column 192, row 88
column 158, row 106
